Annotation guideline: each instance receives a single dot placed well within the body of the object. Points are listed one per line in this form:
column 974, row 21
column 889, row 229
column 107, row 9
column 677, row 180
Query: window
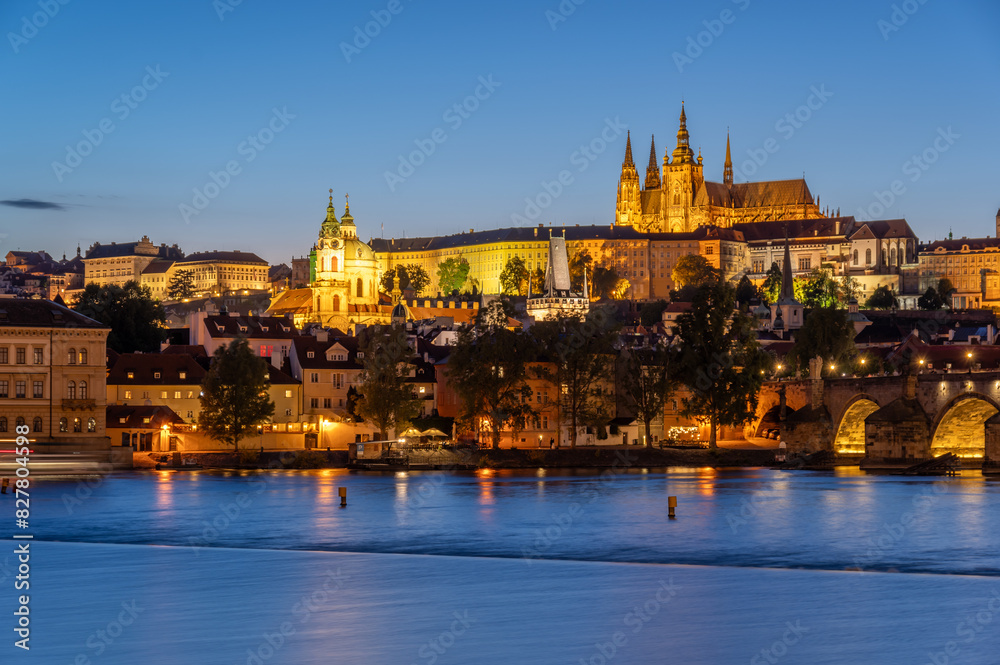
column 338, row 380
column 4, row 388
column 91, row 425
column 314, row 377
column 71, row 356
column 855, row 257
column 19, row 356
column 190, row 415
column 128, row 394
column 288, row 412
column 38, row 389
column 326, row 403
column 288, row 393
column 310, row 354
column 314, row 402
column 163, row 394
column 83, row 390
column 71, row 390
column 3, row 423
column 3, row 355
column 77, row 426
column 190, row 394
column 183, row 375
column 868, row 257
column 36, row 424
column 19, row 422
column 805, row 264
column 37, row 356
column 83, row 356
column 130, row 375
column 63, row 425
column 177, row 394
column 156, row 375
column 19, row 389
column 360, row 288
column 145, row 421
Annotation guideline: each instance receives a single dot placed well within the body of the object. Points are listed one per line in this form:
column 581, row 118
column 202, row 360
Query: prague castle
column 678, row 199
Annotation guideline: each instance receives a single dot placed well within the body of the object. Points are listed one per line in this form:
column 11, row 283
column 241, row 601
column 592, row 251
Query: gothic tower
column 653, row 170
column 727, row 170
column 628, row 210
column 682, row 177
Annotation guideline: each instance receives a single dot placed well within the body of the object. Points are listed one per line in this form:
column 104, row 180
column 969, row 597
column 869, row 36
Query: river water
column 551, row 566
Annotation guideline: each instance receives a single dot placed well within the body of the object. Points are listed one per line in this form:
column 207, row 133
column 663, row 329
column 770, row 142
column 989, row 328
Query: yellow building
column 120, row 263
column 678, row 199
column 213, row 273
column 972, row 265
column 52, row 376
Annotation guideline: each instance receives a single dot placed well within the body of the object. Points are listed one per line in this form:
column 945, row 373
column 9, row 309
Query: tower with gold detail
column 679, row 199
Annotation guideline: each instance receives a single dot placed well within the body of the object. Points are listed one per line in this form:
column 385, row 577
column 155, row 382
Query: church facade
column 678, row 199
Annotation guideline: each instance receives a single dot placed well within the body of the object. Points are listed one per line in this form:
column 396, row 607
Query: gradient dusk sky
column 897, row 80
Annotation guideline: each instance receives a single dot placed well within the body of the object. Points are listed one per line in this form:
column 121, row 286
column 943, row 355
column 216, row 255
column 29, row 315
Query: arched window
column 19, row 422
column 36, row 424
column 892, row 256
column 83, row 390
column 868, row 257
column 336, row 303
column 361, row 288
column 83, row 356
column 3, row 423
column 91, row 425
column 333, row 264
column 855, row 257
column 71, row 390
column 77, row 426
column 63, row 425
column 71, row 356
column 884, row 257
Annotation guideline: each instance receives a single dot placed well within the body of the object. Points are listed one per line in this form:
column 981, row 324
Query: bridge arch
column 960, row 425
column 850, row 437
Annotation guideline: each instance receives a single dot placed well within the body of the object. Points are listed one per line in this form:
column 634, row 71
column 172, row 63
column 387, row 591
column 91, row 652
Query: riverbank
column 593, row 457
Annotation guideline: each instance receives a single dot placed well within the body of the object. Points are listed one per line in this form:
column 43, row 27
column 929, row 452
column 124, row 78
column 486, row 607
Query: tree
column 487, row 369
column 882, row 298
column 827, row 333
column 452, row 274
column 850, row 289
column 181, row 285
column 137, row 321
column 694, row 270
column 514, row 278
column 234, row 394
column 605, row 282
column 746, row 291
column 818, row 289
column 537, row 281
column 931, row 300
column 411, row 276
column 387, row 399
column 945, row 288
column 579, row 264
column 651, row 312
column 719, row 359
column 647, row 383
column 771, row 290
column 581, row 357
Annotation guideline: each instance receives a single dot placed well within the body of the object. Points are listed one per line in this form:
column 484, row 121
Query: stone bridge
column 889, row 420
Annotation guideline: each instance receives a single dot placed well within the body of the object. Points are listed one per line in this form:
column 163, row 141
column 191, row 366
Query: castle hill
column 370, row 333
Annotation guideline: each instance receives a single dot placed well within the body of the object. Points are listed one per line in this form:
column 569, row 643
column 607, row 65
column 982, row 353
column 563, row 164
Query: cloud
column 32, row 204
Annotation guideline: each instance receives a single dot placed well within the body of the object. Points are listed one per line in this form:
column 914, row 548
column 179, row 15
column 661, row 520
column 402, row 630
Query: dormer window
column 264, row 328
column 130, row 375
column 243, row 329
column 156, row 375
column 123, row 420
column 183, row 374
column 310, row 354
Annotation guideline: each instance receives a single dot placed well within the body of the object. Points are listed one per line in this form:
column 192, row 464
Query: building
column 269, row 337
column 343, row 290
column 972, row 265
column 558, row 297
column 678, row 199
column 120, row 263
column 212, row 273
column 52, row 376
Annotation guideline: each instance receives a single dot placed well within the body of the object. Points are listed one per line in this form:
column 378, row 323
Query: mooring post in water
column 343, row 497
column 671, row 506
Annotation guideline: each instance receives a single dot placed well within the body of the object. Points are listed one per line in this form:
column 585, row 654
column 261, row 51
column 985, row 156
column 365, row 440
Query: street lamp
column 969, row 357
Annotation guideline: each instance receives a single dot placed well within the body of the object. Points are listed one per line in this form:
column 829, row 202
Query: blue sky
column 200, row 78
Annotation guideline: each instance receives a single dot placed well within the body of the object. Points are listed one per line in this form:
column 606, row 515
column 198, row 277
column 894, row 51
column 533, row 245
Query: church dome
column 357, row 250
column 400, row 313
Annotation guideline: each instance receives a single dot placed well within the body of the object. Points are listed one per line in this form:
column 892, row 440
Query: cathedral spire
column 727, row 172
column 683, row 153
column 628, row 151
column 653, row 170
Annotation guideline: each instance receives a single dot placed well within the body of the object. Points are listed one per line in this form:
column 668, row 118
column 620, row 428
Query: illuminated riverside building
column 972, row 265
column 212, row 273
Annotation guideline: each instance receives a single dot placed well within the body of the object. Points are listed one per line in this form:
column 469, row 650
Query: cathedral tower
column 653, row 170
column 727, row 169
column 682, row 178
column 628, row 210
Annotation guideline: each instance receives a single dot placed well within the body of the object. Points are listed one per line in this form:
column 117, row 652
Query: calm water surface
column 536, row 567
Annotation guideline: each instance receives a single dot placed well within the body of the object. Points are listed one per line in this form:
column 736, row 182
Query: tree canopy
column 387, row 400
column 452, row 274
column 882, row 298
column 514, row 277
column 693, row 270
column 411, row 276
column 647, row 382
column 234, row 394
column 826, row 332
column 181, row 285
column 719, row 359
column 931, row 300
column 137, row 321
column 771, row 288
